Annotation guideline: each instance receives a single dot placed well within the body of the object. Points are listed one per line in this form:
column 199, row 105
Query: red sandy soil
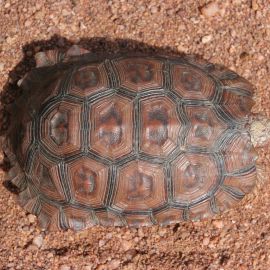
column 235, row 33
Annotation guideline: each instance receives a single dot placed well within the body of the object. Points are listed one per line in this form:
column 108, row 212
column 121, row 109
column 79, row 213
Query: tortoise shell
column 129, row 140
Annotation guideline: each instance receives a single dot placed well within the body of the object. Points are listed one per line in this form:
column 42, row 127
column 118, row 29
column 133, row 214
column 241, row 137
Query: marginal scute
column 75, row 50
column 28, row 199
column 160, row 126
column 49, row 217
column 32, row 205
column 139, row 74
column 78, row 219
column 27, row 138
column 134, row 220
column 23, row 141
column 242, row 182
column 239, row 153
column 108, row 218
column 169, row 216
column 48, row 58
column 112, row 130
column 46, row 178
column 200, row 211
column 230, row 79
column 236, row 104
column 225, row 200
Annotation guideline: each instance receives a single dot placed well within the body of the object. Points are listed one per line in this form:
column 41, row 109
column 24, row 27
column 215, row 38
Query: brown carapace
column 129, row 139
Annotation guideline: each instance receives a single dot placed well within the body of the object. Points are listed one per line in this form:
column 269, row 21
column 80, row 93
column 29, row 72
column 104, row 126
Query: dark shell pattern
column 129, row 140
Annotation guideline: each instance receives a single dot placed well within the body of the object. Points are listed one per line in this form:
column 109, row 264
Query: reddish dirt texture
column 235, row 33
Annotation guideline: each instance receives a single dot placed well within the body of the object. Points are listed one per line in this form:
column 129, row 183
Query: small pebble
column 162, row 232
column 32, row 248
column 206, row 39
column 25, row 228
column 27, row 23
column 206, row 241
column 88, row 267
column 130, row 254
column 114, row 264
column 7, row 5
column 126, row 245
column 154, row 9
column 65, row 12
column 38, row 241
column 254, row 5
column 32, row 218
column 101, row 243
column 218, row 224
column 50, row 255
column 2, row 65
column 211, row 9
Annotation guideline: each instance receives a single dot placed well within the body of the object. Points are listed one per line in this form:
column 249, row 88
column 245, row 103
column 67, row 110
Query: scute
column 205, row 126
column 88, row 80
column 140, row 186
column 201, row 210
column 169, row 216
column 46, row 177
column 138, row 220
column 238, row 153
column 192, row 83
column 130, row 140
column 159, row 126
column 78, row 219
column 195, row 176
column 88, row 181
column 111, row 127
column 108, row 218
column 139, row 74
column 59, row 128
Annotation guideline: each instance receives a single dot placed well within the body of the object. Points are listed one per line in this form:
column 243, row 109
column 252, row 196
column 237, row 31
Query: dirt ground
column 235, row 33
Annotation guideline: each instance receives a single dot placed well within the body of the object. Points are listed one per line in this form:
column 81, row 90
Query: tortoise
column 130, row 140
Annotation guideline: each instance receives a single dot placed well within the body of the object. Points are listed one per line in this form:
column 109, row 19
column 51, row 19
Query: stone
column 7, row 5
column 206, row 241
column 88, row 267
column 206, row 39
column 2, row 65
column 114, row 264
column 154, row 9
column 27, row 23
column 32, row 218
column 38, row 241
column 126, row 245
column 218, row 224
column 210, row 10
column 101, row 243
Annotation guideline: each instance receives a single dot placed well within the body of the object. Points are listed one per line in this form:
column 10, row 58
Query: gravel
column 235, row 33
